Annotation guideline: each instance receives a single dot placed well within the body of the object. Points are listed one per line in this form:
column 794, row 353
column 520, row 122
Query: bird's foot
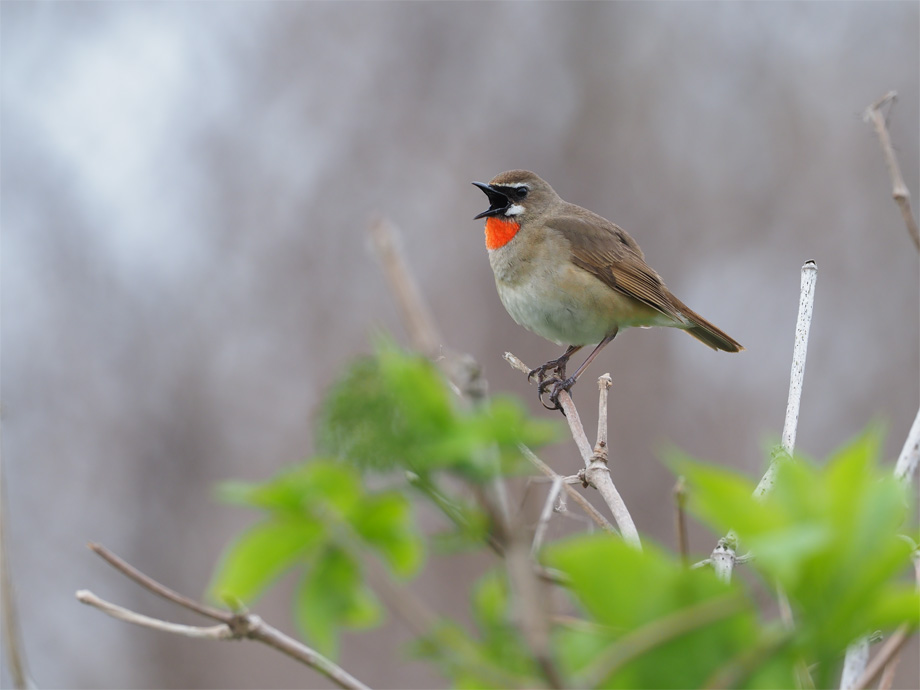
column 555, row 365
column 558, row 385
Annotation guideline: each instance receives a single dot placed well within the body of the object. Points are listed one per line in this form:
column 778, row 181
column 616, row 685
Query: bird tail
column 706, row 333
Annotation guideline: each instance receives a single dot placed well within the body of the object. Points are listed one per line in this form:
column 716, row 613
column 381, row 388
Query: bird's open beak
column 500, row 202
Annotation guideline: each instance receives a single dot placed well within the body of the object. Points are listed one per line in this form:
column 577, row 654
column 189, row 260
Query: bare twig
column 910, row 453
column 855, row 673
column 900, row 193
column 796, row 377
column 802, row 674
column 723, row 557
column 597, row 473
column 157, row 588
column 887, row 679
column 221, row 631
column 891, row 647
column 531, row 608
column 233, row 626
column 546, row 514
column 582, row 502
column 603, row 384
column 11, row 634
column 854, row 663
column 422, row 329
column 680, row 519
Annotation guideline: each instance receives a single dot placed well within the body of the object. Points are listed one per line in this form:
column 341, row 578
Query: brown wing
column 606, row 251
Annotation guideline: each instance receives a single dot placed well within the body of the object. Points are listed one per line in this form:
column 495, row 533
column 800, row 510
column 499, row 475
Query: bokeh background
column 186, row 193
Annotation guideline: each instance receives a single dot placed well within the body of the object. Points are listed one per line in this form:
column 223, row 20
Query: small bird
column 574, row 277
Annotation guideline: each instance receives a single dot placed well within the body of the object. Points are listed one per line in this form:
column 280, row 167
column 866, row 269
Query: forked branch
column 596, row 472
column 232, row 626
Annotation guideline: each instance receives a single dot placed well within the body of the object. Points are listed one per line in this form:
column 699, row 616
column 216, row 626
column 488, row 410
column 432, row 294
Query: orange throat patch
column 500, row 232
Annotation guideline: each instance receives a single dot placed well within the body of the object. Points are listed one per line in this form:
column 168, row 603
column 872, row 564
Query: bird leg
column 565, row 384
column 557, row 365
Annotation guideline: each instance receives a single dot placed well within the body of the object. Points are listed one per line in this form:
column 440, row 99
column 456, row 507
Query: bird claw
column 558, row 385
column 553, row 365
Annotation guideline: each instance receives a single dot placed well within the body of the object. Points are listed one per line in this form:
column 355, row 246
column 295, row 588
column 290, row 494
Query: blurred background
column 186, row 194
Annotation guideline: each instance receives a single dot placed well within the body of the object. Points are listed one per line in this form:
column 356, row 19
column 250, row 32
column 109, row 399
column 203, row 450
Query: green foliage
column 652, row 622
column 318, row 518
column 497, row 657
column 827, row 535
column 394, row 411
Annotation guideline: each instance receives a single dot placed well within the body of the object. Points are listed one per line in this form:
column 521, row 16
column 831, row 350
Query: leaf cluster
column 318, row 519
column 826, row 536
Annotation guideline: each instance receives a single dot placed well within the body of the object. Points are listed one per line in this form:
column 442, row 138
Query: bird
column 574, row 278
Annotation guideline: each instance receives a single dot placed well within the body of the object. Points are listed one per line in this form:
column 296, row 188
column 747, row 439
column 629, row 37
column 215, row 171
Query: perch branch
column 582, row 502
column 597, row 473
column 899, row 190
column 233, row 626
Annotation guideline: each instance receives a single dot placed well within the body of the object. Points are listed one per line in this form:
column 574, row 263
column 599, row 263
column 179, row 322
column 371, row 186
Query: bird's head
column 516, row 195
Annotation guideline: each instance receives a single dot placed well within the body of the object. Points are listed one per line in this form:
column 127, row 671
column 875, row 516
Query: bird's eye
column 521, row 192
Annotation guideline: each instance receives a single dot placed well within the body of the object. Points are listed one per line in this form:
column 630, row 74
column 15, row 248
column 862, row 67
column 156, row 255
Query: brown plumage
column 574, row 277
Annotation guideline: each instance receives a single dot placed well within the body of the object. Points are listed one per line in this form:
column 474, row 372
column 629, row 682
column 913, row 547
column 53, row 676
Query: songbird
column 574, row 277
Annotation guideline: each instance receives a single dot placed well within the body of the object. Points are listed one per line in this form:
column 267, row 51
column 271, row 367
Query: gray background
column 186, row 193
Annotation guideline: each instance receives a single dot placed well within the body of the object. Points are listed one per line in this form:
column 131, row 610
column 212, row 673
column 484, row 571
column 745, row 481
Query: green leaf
column 395, row 410
column 385, row 522
column 490, row 600
column 654, row 622
column 305, row 489
column 260, row 555
column 331, row 596
column 828, row 535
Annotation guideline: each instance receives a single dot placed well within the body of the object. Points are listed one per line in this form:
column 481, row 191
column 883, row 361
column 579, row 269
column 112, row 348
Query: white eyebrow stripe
column 511, row 184
column 514, row 210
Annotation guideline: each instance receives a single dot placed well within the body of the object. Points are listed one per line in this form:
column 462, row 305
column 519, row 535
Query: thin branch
column 157, row 588
column 854, row 663
column 891, row 647
column 530, row 604
column 899, row 191
column 597, row 473
column 802, row 674
column 854, row 666
column 422, row 330
column 797, row 375
column 910, row 453
column 221, row 631
column 234, row 626
column 888, row 674
column 582, row 502
column 680, row 520
column 603, row 384
column 11, row 634
column 546, row 514
column 723, row 557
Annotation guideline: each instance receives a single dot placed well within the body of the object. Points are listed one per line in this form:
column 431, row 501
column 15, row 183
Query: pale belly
column 569, row 306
